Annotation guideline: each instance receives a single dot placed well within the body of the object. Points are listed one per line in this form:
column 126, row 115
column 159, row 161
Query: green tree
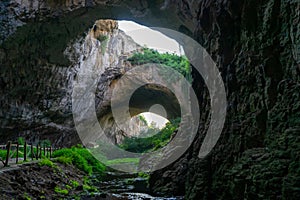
column 179, row 63
column 143, row 145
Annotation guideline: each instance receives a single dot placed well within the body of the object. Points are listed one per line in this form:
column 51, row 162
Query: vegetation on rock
column 178, row 63
column 148, row 144
column 81, row 158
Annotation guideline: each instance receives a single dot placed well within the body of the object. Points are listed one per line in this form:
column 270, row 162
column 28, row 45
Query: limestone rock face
column 47, row 111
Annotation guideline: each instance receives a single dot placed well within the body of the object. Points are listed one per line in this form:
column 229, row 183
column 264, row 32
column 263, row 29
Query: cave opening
column 150, row 100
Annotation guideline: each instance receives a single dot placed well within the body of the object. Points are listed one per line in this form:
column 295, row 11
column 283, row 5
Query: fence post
column 7, row 153
column 37, row 152
column 50, row 151
column 44, row 150
column 25, row 151
column 40, row 151
column 31, row 149
column 17, row 158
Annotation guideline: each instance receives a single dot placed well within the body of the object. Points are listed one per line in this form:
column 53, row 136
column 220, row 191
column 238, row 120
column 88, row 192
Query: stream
column 121, row 186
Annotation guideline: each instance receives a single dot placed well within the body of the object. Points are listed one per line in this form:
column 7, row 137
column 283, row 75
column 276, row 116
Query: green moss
column 68, row 187
column 58, row 190
column 74, row 183
column 102, row 38
column 89, row 188
column 144, row 175
column 104, row 41
column 26, row 196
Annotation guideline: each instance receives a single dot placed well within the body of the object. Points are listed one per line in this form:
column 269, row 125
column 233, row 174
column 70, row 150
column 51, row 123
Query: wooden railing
column 28, row 150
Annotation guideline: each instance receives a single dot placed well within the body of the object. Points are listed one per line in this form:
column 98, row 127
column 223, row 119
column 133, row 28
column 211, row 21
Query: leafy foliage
column 178, row 63
column 3, row 154
column 143, row 145
column 81, row 158
column 46, row 162
column 64, row 160
column 21, row 140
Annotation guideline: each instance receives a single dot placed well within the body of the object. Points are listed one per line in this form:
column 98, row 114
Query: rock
column 255, row 45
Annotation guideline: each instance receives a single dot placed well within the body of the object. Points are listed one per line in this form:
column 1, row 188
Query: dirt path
column 13, row 166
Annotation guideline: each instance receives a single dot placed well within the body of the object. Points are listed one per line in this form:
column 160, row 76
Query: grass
column 122, row 160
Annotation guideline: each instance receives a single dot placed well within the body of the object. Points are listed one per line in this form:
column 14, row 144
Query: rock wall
column 256, row 47
column 36, row 96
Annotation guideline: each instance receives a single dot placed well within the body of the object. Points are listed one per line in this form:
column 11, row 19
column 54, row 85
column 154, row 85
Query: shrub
column 64, row 160
column 81, row 158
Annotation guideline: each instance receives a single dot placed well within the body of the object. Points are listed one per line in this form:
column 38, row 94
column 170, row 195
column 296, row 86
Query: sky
column 155, row 40
column 160, row 121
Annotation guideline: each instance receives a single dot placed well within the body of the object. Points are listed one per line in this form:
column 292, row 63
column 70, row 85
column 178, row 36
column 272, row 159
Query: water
column 120, row 186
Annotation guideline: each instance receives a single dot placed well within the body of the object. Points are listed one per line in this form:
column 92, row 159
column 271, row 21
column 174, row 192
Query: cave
column 254, row 44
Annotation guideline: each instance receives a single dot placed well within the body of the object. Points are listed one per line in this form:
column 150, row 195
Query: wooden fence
column 29, row 151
